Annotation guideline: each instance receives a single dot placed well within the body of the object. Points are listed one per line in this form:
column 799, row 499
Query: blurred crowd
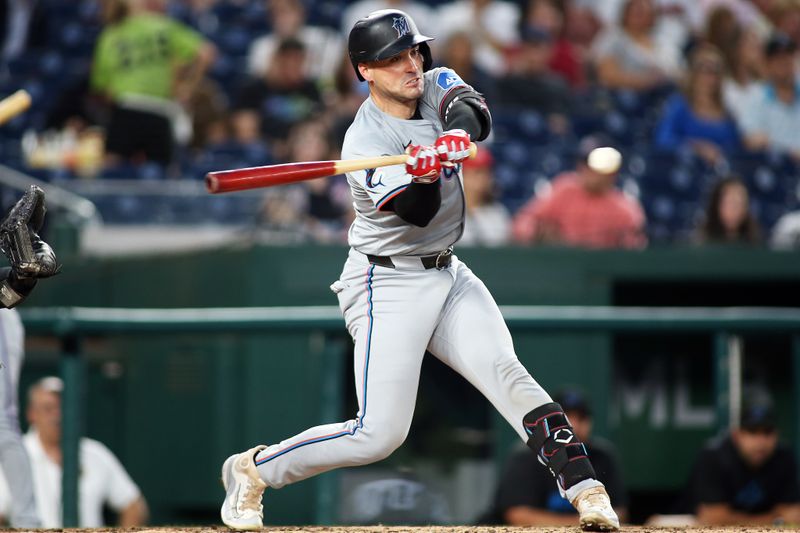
column 700, row 97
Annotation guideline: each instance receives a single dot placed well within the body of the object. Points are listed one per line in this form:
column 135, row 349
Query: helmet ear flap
column 427, row 57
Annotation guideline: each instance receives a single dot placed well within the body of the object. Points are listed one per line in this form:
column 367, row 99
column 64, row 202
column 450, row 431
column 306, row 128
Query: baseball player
column 30, row 258
column 402, row 290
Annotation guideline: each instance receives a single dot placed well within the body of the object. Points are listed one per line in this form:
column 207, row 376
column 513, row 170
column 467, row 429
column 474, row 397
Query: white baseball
column 605, row 160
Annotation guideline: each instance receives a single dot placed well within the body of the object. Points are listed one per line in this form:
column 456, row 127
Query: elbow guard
column 463, row 101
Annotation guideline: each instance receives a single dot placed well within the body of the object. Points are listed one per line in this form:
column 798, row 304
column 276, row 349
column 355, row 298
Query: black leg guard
column 558, row 448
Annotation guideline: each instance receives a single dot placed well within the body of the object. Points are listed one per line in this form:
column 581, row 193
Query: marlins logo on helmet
column 400, row 24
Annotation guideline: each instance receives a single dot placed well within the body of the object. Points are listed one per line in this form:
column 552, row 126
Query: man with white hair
column 103, row 480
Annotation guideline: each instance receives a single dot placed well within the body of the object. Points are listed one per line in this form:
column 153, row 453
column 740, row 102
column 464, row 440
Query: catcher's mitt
column 29, row 255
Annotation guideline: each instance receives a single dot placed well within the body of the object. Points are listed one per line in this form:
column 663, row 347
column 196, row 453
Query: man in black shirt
column 282, row 97
column 747, row 477
column 527, row 495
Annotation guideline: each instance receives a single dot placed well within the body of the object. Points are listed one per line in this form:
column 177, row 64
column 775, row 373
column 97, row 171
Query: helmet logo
column 400, row 24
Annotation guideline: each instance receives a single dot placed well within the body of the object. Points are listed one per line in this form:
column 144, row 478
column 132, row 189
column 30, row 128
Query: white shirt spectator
column 487, row 225
column 324, row 49
column 766, row 114
column 633, row 57
column 786, row 233
column 103, row 480
column 498, row 19
column 694, row 13
column 737, row 97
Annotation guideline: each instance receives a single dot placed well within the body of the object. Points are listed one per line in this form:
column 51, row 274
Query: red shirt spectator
column 582, row 209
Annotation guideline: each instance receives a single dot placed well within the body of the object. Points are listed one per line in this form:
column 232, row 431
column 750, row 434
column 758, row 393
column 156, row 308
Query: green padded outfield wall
column 176, row 405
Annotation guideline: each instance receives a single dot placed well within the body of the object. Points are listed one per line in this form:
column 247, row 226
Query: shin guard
column 551, row 437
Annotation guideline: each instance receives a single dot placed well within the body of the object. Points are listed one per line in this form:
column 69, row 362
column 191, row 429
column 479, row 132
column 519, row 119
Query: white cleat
column 242, row 509
column 596, row 513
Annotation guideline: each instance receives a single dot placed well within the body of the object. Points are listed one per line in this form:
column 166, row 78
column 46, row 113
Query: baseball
column 605, row 160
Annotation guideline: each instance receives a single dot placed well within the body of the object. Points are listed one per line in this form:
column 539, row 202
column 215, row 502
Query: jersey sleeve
column 184, row 41
column 121, row 491
column 523, row 483
column 380, row 184
column 708, row 480
column 439, row 82
column 790, row 489
column 101, row 65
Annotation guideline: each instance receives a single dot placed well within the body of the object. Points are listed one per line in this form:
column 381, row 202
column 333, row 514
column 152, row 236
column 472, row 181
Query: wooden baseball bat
column 13, row 105
column 270, row 175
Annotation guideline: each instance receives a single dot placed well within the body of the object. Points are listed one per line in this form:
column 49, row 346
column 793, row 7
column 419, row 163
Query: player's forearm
column 523, row 515
column 193, row 72
column 418, row 204
column 135, row 514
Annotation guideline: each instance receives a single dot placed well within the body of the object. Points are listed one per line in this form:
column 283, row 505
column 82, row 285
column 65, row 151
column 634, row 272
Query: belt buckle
column 443, row 255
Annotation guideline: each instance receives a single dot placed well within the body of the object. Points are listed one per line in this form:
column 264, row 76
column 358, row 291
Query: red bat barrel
column 267, row 176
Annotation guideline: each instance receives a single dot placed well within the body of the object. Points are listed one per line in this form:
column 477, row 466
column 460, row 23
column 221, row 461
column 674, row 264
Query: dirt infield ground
column 432, row 529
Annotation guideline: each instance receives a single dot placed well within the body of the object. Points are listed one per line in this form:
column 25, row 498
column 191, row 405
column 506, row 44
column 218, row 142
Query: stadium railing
column 71, row 324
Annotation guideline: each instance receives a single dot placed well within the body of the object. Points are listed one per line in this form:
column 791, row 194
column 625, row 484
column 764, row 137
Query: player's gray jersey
column 374, row 133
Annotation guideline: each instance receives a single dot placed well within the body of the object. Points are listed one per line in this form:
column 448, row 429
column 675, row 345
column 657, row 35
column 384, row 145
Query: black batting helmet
column 383, row 34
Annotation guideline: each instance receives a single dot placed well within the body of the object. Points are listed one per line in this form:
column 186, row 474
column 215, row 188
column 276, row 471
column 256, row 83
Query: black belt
column 437, row 261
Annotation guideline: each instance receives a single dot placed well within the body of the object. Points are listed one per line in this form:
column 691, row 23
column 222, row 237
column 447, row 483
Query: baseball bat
column 13, row 105
column 270, row 175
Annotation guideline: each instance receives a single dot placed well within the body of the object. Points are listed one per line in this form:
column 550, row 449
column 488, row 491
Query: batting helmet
column 383, row 34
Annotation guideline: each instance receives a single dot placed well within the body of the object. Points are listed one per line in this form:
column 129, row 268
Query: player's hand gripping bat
column 270, row 175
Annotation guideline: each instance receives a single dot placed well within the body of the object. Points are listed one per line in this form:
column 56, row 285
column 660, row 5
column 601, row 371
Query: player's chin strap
column 558, row 448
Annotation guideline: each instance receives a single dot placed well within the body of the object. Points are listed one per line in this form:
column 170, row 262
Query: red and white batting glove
column 423, row 163
column 453, row 147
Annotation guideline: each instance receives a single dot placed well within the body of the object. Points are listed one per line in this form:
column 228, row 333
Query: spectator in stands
column 566, row 59
column 487, row 222
column 329, row 210
column 696, row 118
column 25, row 26
column 350, row 94
column 721, row 28
column 583, row 208
column 532, row 85
column 148, row 66
column 751, row 14
column 785, row 17
column 319, row 210
column 527, row 496
column 771, row 118
column 492, row 24
column 103, row 479
column 744, row 62
column 747, row 477
column 282, row 97
column 786, row 232
column 728, row 218
column 288, row 18
column 458, row 54
column 629, row 57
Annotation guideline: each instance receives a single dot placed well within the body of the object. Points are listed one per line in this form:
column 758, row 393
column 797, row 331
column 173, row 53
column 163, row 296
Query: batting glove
column 453, row 147
column 423, row 163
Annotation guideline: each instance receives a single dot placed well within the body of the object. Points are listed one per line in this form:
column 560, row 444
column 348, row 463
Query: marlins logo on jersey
column 400, row 24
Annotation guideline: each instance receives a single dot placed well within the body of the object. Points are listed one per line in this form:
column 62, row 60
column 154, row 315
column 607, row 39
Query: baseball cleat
column 596, row 513
column 242, row 509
